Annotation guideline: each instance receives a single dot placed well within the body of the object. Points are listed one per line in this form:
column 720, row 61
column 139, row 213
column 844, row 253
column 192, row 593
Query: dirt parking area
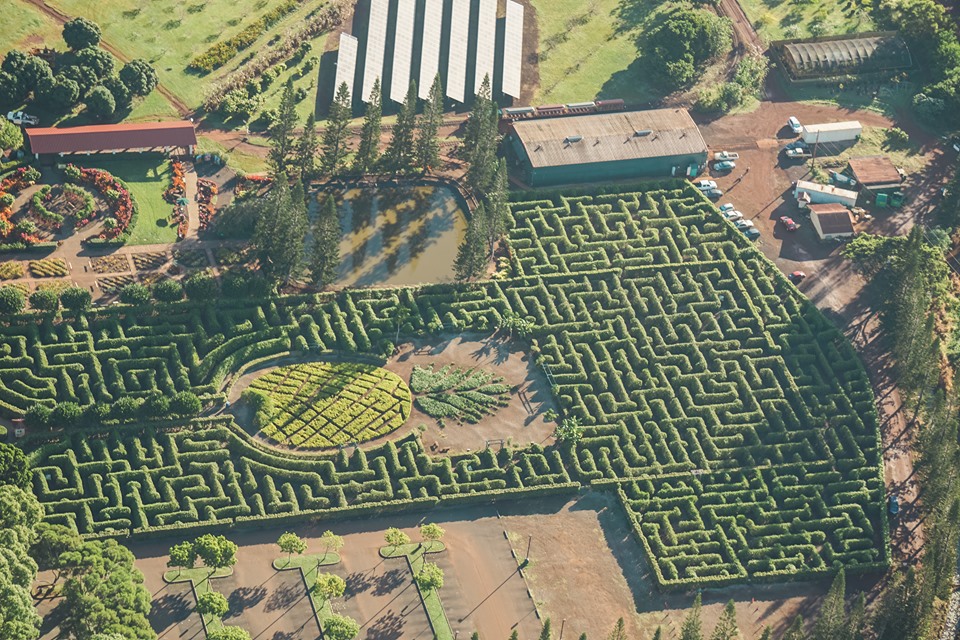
column 484, row 591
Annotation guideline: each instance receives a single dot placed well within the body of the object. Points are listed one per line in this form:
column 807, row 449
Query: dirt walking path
column 60, row 17
column 193, row 206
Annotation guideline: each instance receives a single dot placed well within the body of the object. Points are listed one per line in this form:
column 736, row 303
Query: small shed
column 808, row 193
column 831, row 221
column 877, row 174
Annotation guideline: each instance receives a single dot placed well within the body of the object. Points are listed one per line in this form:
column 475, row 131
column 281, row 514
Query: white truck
column 831, row 132
column 21, row 118
column 726, row 155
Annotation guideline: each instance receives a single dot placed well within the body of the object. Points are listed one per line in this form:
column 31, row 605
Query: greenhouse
column 841, row 55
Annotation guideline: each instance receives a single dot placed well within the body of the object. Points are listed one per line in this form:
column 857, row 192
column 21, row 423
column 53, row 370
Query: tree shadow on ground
column 387, row 582
column 284, row 597
column 244, row 598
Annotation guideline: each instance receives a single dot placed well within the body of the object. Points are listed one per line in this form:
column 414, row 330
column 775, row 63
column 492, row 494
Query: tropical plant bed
column 115, row 263
column 52, row 204
column 11, row 270
column 465, row 395
column 325, row 404
column 49, row 268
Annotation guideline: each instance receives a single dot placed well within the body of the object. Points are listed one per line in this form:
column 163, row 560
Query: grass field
column 169, row 34
column 777, row 20
column 573, row 67
column 147, row 176
column 24, row 27
column 243, row 161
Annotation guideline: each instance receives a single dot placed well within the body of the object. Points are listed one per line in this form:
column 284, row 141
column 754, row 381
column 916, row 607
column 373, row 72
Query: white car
column 19, row 117
column 794, row 125
column 727, row 207
column 705, row 185
column 733, row 216
column 726, row 155
column 743, row 224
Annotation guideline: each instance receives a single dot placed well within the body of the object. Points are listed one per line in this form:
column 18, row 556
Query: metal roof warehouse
column 113, row 138
column 607, row 146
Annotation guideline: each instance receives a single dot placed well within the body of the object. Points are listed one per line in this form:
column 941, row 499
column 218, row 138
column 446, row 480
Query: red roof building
column 113, row 138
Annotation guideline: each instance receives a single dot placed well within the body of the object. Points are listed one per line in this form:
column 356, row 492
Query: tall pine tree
column 428, row 128
column 281, row 133
column 692, row 627
column 619, row 631
column 726, row 628
column 545, row 632
column 280, row 230
column 368, row 151
column 471, row 257
column 497, row 211
column 335, row 136
column 325, row 252
column 307, row 150
column 481, row 141
column 832, row 619
column 400, row 152
column 795, row 630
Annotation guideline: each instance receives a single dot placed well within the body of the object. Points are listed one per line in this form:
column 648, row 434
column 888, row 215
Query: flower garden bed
column 325, row 404
column 121, row 206
column 52, row 204
column 16, row 236
column 49, row 268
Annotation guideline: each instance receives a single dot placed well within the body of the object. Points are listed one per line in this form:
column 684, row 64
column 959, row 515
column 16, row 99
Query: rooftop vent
column 572, row 139
column 640, row 133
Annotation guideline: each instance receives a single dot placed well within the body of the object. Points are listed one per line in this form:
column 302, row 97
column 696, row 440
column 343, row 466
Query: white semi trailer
column 831, row 132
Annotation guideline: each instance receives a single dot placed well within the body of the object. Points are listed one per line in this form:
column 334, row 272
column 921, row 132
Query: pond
column 399, row 235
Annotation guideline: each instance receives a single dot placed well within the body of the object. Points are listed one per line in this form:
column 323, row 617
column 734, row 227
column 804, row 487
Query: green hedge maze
column 736, row 424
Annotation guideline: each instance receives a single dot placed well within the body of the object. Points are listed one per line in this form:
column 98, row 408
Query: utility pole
column 526, row 557
column 562, row 623
column 813, row 159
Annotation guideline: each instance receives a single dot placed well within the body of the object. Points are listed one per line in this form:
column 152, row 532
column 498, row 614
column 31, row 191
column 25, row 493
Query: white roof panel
column 486, row 42
column 513, row 49
column 430, row 52
column 346, row 61
column 457, row 60
column 376, row 41
column 402, row 49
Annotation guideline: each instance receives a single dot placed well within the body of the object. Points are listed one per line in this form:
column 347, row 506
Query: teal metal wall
column 595, row 172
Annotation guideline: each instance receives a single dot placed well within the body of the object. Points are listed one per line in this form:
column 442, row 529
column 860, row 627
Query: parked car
column 727, row 207
column 893, row 504
column 794, row 125
column 725, row 165
column 796, row 144
column 752, row 233
column 797, row 277
column 789, row 223
column 714, row 194
column 733, row 216
column 705, row 185
column 726, row 155
column 21, row 118
column 801, row 152
column 744, row 224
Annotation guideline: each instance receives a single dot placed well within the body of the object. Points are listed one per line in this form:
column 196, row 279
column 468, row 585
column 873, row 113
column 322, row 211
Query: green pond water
column 399, row 236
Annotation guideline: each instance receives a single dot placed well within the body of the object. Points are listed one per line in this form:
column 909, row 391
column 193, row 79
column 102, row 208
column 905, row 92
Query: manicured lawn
column 169, row 33
column 148, row 176
column 573, row 65
column 244, row 162
column 777, row 20
column 24, row 27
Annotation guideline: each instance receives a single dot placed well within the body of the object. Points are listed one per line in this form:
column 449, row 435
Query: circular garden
column 326, row 404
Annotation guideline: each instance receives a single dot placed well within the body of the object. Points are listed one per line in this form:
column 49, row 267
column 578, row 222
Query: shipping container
column 812, row 193
column 831, row 132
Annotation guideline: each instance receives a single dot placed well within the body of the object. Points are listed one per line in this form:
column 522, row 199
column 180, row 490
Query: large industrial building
column 606, row 146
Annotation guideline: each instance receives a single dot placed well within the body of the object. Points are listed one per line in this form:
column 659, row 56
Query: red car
column 789, row 223
column 797, row 277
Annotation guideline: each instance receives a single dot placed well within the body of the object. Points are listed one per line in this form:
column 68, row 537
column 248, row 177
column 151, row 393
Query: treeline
column 84, row 74
column 910, row 277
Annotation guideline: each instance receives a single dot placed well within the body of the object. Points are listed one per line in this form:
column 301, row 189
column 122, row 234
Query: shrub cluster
column 222, row 52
